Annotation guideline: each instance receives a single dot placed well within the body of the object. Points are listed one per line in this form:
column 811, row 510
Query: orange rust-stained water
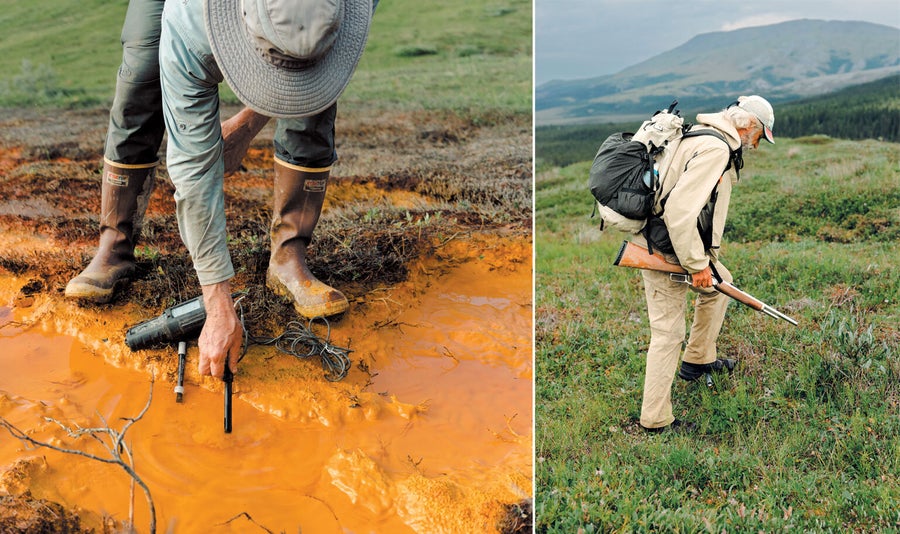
column 435, row 437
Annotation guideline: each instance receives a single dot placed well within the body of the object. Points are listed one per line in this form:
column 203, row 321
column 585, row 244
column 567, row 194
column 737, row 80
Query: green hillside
column 866, row 111
column 804, row 436
column 472, row 56
column 59, row 52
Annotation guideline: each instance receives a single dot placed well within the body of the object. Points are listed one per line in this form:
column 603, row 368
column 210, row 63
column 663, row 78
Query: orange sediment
column 430, row 432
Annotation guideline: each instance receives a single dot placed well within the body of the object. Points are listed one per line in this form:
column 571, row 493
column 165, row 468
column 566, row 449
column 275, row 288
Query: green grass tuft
column 415, row 51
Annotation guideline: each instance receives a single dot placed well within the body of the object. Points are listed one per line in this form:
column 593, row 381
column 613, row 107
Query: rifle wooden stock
column 638, row 257
column 631, row 255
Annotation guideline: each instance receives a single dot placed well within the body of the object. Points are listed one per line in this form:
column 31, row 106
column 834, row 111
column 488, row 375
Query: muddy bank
column 426, row 228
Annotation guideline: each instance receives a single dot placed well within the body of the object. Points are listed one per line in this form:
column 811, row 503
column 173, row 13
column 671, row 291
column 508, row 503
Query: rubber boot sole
column 85, row 289
column 331, row 303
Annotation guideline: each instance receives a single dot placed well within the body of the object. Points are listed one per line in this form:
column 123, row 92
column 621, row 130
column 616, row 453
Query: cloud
column 588, row 38
column 756, row 20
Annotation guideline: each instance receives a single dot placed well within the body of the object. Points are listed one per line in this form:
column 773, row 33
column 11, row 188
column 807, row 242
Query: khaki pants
column 666, row 305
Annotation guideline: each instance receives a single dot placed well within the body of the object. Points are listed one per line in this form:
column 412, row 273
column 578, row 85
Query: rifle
column 632, row 255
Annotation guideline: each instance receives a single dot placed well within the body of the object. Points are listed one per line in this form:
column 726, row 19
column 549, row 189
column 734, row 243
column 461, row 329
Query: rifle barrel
column 772, row 312
column 740, row 296
column 751, row 301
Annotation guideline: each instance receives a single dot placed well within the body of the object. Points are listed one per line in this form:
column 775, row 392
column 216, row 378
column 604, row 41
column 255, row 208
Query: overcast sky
column 588, row 38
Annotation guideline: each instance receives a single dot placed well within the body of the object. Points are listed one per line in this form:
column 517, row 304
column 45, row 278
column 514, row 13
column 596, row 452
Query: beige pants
column 666, row 305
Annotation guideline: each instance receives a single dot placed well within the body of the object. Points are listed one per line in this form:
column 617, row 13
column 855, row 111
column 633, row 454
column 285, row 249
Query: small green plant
column 374, row 214
column 499, row 11
column 146, row 253
column 415, row 51
column 855, row 341
column 467, row 50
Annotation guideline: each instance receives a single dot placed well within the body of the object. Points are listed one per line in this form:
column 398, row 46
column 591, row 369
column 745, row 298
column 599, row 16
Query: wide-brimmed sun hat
column 287, row 58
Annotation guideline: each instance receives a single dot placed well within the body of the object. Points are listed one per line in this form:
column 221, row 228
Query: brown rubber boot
column 125, row 192
column 298, row 198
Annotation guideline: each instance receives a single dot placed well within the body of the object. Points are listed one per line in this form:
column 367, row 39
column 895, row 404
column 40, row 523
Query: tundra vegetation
column 805, row 435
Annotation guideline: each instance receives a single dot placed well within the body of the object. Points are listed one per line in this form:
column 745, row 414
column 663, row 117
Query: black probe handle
column 228, row 378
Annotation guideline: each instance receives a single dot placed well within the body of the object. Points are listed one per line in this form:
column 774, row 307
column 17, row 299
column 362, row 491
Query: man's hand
column 220, row 340
column 703, row 279
column 237, row 133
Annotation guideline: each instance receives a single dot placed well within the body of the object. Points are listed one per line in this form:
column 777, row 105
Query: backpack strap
column 735, row 157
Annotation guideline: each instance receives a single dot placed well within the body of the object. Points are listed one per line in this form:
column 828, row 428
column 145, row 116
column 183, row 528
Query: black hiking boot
column 678, row 426
column 693, row 371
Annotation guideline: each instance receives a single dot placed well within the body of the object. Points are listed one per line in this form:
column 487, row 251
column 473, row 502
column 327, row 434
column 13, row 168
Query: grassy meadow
column 467, row 57
column 805, row 436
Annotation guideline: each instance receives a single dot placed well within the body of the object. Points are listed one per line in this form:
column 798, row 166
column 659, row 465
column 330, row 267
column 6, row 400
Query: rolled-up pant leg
column 709, row 314
column 308, row 141
column 666, row 309
column 135, row 120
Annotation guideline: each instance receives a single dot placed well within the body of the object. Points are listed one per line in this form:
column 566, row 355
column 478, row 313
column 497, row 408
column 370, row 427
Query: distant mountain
column 782, row 62
column 865, row 111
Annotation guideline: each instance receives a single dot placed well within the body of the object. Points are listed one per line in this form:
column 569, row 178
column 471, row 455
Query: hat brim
column 281, row 92
column 768, row 134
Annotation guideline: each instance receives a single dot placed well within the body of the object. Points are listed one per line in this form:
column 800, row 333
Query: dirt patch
column 416, row 202
column 404, row 184
column 24, row 513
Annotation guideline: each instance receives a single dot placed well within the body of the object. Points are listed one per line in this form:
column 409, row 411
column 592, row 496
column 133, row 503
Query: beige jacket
column 689, row 172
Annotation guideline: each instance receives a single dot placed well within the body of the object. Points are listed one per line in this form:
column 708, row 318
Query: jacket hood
column 719, row 122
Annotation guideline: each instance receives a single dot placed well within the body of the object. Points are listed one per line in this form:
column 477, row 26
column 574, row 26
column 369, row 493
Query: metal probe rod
column 182, row 358
column 228, row 378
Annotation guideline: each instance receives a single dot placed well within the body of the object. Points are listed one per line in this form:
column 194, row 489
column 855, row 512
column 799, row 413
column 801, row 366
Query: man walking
column 700, row 174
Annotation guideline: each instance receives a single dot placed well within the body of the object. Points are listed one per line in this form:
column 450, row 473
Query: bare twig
column 115, row 447
column 131, row 495
column 245, row 514
column 500, row 436
column 447, row 240
column 17, row 324
column 509, row 426
column 415, row 463
column 449, row 353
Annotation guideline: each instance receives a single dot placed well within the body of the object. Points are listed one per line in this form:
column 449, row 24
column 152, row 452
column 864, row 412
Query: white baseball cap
column 760, row 107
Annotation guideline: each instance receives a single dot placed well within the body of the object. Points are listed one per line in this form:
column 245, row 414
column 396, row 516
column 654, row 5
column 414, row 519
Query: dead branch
column 509, row 425
column 501, row 437
column 115, row 446
column 245, row 514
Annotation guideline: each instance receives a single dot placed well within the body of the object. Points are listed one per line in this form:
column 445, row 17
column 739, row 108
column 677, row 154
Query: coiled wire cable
column 299, row 341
